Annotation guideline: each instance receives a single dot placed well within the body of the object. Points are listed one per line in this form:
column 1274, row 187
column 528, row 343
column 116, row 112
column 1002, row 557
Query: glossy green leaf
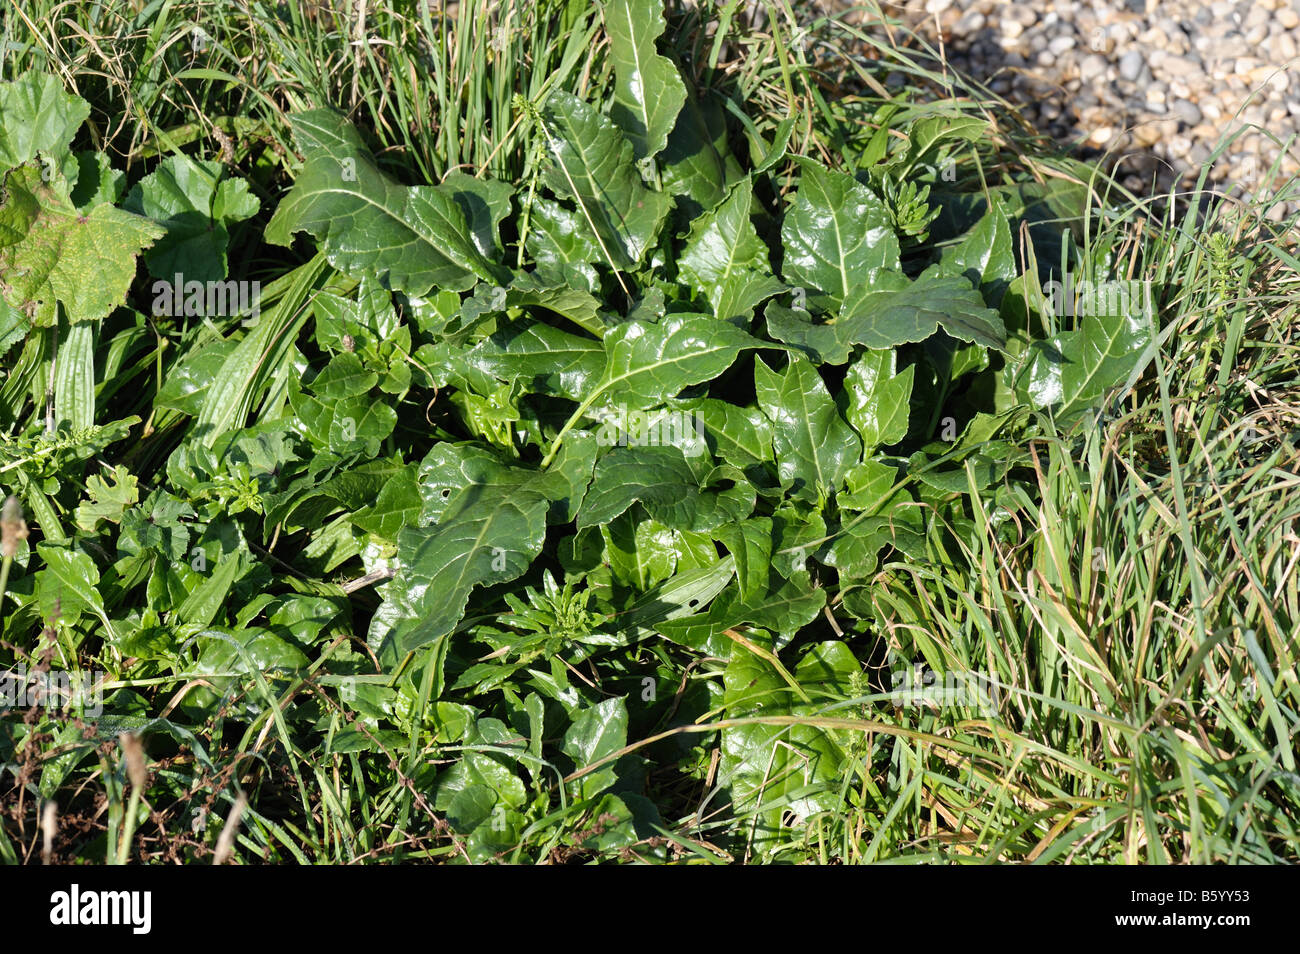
column 562, row 245
column 814, row 446
column 739, row 434
column 724, row 260
column 486, row 536
column 640, row 551
column 698, row 165
column 66, row 588
column 251, row 653
column 485, row 203
column 1073, row 372
column 659, row 478
column 834, row 234
column 878, row 399
column 648, row 363
column 773, row 769
column 412, row 238
column 594, row 734
column 592, row 164
column 545, row 359
column 985, row 255
column 337, row 411
column 889, row 311
column 685, row 594
column 648, row 93
column 783, row 607
column 398, row 505
column 750, row 543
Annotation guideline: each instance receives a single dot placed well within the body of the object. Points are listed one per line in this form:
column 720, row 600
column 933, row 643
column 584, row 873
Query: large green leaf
column 738, row 434
column 648, row 93
column 487, row 535
column 878, row 400
column 562, row 245
column 774, row 769
column 67, row 587
column 197, row 207
column 684, row 594
column 545, row 359
column 188, row 382
column 51, row 252
column 1074, row 371
column 725, row 261
column 857, row 547
column 835, row 233
column 36, row 115
column 647, row 363
column 595, row 733
column 642, row 552
column 337, row 411
column 660, row 478
column 814, row 446
column 985, row 255
column 698, row 165
column 592, row 163
column 483, row 773
column 398, row 505
column 889, row 311
column 750, row 544
column 485, row 202
column 253, row 652
column 449, row 469
column 783, row 608
column 411, row 237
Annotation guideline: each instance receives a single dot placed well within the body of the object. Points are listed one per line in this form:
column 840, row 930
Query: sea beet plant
column 508, row 477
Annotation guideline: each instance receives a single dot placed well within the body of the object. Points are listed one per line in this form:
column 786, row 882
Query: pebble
column 1187, row 111
column 1180, row 65
column 1060, row 45
column 1257, row 16
column 1092, row 67
column 1130, row 65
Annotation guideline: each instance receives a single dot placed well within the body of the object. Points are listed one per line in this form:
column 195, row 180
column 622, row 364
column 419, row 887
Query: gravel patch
column 1157, row 84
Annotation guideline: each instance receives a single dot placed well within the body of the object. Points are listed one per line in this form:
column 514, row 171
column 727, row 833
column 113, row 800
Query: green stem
column 128, row 832
column 568, row 426
column 4, row 578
